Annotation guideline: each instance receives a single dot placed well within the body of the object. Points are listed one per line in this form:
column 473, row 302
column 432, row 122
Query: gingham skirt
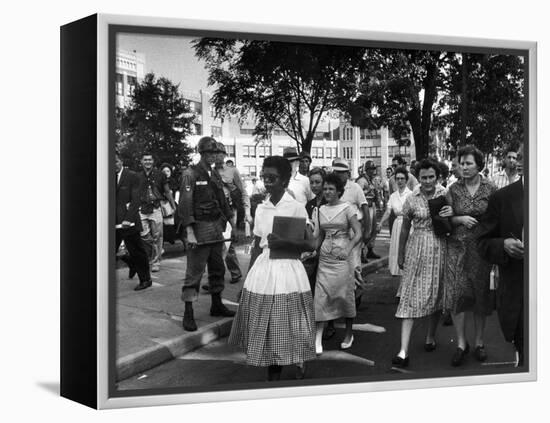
column 274, row 324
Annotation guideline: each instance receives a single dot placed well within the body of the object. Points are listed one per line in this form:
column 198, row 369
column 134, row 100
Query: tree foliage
column 158, row 120
column 285, row 86
column 485, row 101
column 399, row 89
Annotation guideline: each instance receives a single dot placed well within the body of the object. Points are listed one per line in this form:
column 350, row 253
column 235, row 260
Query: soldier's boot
column 218, row 308
column 188, row 320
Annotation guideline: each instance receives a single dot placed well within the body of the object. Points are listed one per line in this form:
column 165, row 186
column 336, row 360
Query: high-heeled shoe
column 346, row 345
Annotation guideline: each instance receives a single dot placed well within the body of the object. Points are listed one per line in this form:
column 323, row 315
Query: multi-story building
column 130, row 69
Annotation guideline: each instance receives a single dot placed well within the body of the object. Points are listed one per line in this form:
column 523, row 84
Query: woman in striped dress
column 275, row 322
column 421, row 256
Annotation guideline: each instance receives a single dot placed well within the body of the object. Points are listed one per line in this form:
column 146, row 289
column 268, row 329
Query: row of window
column 364, row 134
column 131, row 82
column 372, row 152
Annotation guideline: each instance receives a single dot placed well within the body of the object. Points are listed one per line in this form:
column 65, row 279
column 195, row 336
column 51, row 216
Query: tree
column 400, row 89
column 158, row 120
column 284, row 86
column 485, row 101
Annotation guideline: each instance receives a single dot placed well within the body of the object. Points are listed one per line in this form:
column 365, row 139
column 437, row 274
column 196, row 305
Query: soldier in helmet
column 204, row 213
column 367, row 183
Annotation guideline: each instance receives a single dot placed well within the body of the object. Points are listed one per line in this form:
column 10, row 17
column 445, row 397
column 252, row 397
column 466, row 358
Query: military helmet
column 221, row 148
column 207, row 145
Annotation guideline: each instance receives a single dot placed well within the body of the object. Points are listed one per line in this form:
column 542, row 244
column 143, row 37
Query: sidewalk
column 148, row 323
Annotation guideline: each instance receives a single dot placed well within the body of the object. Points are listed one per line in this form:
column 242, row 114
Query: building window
column 212, row 111
column 230, row 149
column 263, row 151
column 348, row 153
column 216, row 131
column 131, row 86
column 317, row 153
column 319, row 135
column 249, row 151
column 246, row 131
column 119, row 84
column 195, row 107
column 250, row 170
column 197, row 128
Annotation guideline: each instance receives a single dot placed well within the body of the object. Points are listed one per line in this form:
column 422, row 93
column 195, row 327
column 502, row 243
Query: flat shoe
column 480, row 353
column 400, row 362
column 429, row 347
column 319, row 350
column 460, row 356
column 346, row 345
column 143, row 285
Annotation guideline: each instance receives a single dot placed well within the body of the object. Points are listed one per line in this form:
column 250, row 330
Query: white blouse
column 397, row 200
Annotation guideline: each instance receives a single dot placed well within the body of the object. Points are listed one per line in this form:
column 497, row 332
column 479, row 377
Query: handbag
column 166, row 208
column 442, row 225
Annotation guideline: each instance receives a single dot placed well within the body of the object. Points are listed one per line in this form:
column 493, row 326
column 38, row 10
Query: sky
column 169, row 56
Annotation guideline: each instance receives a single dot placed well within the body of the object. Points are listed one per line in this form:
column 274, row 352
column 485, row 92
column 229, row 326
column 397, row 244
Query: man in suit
column 501, row 243
column 128, row 225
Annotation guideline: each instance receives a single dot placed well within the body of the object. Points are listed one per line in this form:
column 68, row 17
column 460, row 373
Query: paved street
column 377, row 334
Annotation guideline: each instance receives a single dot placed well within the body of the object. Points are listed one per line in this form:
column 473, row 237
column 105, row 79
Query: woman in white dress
column 275, row 322
column 395, row 204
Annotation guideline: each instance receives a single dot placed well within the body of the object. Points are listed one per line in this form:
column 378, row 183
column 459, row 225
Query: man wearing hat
column 305, row 163
column 298, row 186
column 204, row 213
column 367, row 183
column 353, row 194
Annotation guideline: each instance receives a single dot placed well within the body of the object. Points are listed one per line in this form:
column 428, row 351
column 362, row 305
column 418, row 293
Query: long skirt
column 275, row 324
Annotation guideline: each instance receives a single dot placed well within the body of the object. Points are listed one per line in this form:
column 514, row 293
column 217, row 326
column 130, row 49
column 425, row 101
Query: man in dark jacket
column 501, row 243
column 128, row 225
column 204, row 213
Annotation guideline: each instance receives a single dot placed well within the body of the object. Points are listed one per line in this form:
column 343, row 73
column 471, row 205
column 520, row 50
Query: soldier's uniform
column 369, row 188
column 203, row 204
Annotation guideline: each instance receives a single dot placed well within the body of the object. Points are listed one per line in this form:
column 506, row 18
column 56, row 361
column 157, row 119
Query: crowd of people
column 455, row 235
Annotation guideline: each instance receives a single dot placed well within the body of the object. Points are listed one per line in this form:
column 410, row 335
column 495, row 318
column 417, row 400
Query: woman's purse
column 442, row 225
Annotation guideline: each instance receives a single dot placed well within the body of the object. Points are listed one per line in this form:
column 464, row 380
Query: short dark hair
column 282, row 165
column 474, row 151
column 444, row 169
column 318, row 171
column 429, row 164
column 399, row 159
column 229, row 161
column 402, row 170
column 333, row 179
column 147, row 153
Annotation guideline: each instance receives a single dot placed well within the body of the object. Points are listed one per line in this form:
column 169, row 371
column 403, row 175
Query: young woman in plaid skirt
column 275, row 323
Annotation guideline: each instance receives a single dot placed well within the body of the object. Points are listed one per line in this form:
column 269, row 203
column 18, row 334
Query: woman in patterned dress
column 466, row 286
column 421, row 256
column 335, row 285
column 274, row 323
column 395, row 204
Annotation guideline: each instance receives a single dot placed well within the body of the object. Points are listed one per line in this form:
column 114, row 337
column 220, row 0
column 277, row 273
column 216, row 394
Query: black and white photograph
column 297, row 212
column 275, row 211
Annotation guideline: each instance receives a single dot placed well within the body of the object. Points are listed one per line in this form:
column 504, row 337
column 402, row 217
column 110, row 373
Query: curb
column 148, row 358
